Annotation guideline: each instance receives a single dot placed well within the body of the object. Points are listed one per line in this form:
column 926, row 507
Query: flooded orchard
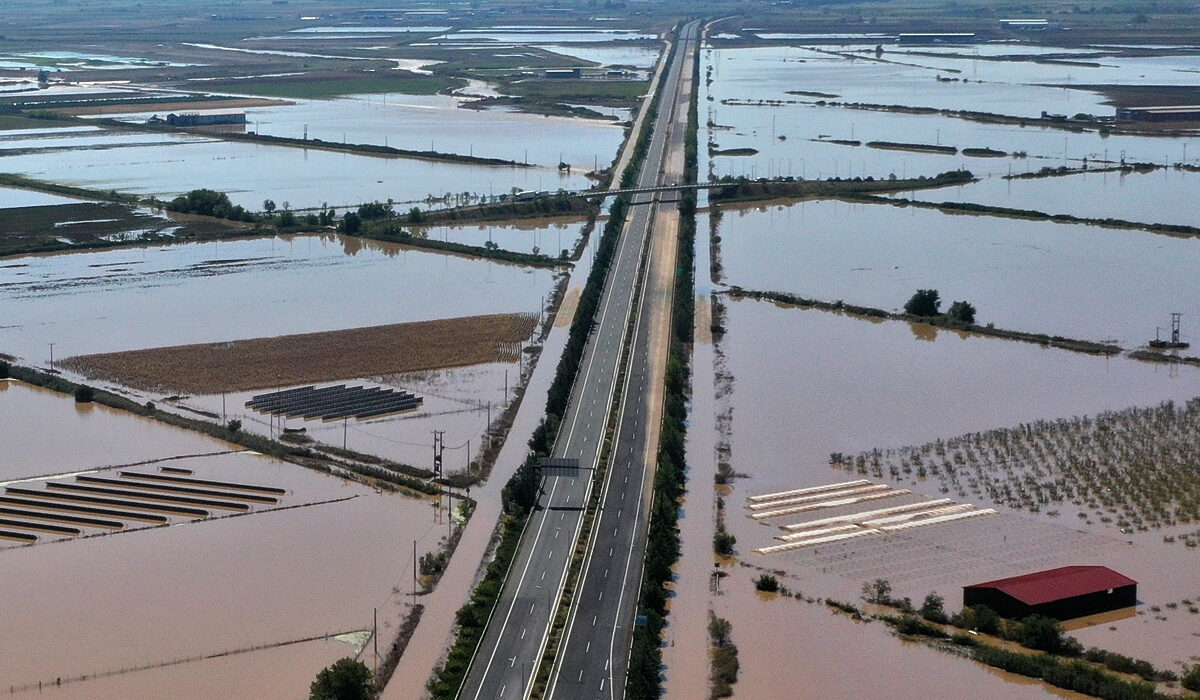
column 154, row 588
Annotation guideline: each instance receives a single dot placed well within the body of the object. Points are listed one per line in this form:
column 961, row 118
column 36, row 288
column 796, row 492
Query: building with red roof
column 1064, row 593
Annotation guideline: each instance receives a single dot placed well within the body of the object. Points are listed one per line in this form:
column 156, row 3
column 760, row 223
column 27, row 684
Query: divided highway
column 594, row 653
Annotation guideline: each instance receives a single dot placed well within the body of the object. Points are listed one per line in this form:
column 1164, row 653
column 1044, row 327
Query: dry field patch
column 260, row 363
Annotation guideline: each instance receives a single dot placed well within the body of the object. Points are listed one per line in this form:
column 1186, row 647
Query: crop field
column 259, row 363
column 319, row 85
column 94, row 224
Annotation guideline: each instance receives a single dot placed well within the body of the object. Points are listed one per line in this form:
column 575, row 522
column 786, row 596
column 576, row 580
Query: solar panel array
column 334, row 402
column 100, row 502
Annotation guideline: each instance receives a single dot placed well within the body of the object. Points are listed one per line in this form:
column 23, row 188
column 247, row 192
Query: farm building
column 197, row 119
column 937, row 38
column 1166, row 113
column 563, row 73
column 1064, row 593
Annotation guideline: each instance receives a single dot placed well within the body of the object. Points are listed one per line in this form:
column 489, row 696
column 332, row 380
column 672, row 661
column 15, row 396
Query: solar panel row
column 334, row 402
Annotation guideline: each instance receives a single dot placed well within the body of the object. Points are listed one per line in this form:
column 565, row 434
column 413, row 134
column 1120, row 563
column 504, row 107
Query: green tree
column 269, row 205
column 416, row 216
column 374, row 210
column 981, row 618
column 351, row 223
column 1191, row 678
column 287, row 219
column 878, row 591
column 234, row 425
column 1045, row 634
column 723, row 543
column 934, row 608
column 962, row 311
column 924, row 303
column 84, row 394
column 767, row 583
column 719, row 630
column 346, row 679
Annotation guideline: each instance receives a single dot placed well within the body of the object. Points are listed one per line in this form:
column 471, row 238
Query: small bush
column 84, row 394
column 1191, row 679
column 767, row 583
column 234, row 425
column 723, row 543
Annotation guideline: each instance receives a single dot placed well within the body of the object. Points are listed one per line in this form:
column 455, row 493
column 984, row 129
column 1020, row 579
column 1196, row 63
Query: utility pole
column 414, row 568
column 437, row 451
column 375, row 636
column 345, row 427
column 51, row 355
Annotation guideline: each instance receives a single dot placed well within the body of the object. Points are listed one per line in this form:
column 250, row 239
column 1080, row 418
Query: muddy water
column 149, row 164
column 200, row 588
column 848, row 382
column 767, row 74
column 843, row 382
column 240, row 675
column 878, row 255
column 43, row 434
column 25, row 198
column 457, row 401
column 1149, row 198
column 789, row 648
column 424, row 122
column 547, row 236
column 170, row 295
column 636, row 56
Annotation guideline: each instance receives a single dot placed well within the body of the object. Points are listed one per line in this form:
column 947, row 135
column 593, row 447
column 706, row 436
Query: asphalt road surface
column 597, row 644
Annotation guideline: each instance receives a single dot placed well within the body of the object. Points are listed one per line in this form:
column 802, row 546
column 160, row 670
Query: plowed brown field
column 259, row 363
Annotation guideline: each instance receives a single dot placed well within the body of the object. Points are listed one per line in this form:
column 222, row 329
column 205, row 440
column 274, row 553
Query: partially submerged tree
column 924, row 303
column 962, row 311
column 345, row 679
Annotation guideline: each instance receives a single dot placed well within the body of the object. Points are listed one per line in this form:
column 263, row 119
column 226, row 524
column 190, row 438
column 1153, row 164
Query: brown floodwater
column 845, row 385
column 146, row 597
column 787, row 648
column 153, row 296
column 790, row 648
column 43, row 434
column 1008, row 269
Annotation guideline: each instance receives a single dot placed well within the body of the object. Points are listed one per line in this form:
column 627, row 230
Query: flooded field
column 153, row 164
column 851, row 659
column 407, row 121
column 548, row 236
column 10, row 197
column 795, row 137
column 134, row 298
column 284, row 565
column 878, row 255
column 1142, row 197
column 891, row 384
column 99, row 436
